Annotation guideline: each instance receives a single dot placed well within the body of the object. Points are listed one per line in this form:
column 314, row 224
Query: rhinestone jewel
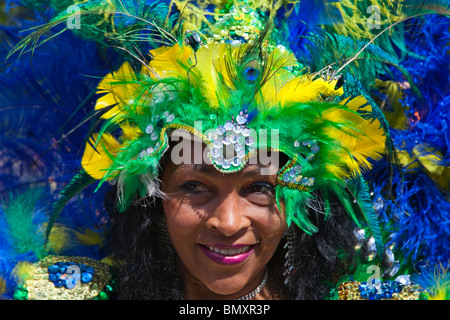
column 220, row 130
column 229, row 125
column 383, row 290
column 315, row 148
column 154, row 129
column 293, row 175
column 258, row 289
column 231, row 137
column 241, row 119
column 236, row 162
column 246, row 132
column 217, row 142
column 219, row 161
column 249, row 141
column 403, row 279
column 234, row 138
column 241, row 153
column 226, row 164
column 215, row 153
column 149, row 129
column 58, row 274
column 170, row 118
column 237, row 129
column 226, row 140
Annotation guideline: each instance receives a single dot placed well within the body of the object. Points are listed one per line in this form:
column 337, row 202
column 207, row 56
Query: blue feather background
column 42, row 98
column 412, row 206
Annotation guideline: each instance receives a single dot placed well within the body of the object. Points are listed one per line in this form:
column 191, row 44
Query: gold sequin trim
column 41, row 288
column 350, row 291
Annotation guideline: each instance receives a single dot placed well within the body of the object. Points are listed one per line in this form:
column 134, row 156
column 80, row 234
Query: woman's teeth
column 229, row 252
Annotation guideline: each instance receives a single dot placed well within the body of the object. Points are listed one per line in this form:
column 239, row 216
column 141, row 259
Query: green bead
column 108, row 288
column 20, row 294
column 423, row 296
column 103, row 296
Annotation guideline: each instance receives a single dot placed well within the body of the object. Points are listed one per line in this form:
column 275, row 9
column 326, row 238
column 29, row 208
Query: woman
column 224, row 237
column 227, row 200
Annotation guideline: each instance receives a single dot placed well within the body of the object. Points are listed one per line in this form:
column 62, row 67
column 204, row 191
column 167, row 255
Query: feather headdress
column 245, row 91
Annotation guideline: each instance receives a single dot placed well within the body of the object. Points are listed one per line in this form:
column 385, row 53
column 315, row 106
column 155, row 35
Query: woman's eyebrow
column 206, row 169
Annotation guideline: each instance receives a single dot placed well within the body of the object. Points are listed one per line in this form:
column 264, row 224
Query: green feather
column 20, row 212
column 296, row 210
column 117, row 23
column 364, row 202
column 78, row 183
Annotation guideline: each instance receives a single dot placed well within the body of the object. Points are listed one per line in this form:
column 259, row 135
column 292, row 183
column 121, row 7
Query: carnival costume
column 351, row 96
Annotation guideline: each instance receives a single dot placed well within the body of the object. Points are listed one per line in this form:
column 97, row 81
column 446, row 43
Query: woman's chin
column 226, row 284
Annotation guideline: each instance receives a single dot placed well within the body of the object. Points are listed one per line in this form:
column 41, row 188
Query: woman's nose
column 229, row 217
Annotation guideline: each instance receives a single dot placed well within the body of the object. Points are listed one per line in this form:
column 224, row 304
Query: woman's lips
column 227, row 255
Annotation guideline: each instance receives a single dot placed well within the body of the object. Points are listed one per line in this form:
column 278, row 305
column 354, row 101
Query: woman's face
column 224, row 227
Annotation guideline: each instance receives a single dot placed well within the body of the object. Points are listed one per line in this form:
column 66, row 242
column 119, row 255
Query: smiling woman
column 225, row 229
column 224, row 236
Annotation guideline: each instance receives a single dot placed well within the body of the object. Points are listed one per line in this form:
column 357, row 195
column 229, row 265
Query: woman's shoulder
column 65, row 278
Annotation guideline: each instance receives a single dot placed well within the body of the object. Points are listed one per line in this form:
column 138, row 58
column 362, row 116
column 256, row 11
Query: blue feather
column 43, row 96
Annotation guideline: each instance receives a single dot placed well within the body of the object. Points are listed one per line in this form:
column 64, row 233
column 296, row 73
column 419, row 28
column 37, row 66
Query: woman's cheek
column 181, row 217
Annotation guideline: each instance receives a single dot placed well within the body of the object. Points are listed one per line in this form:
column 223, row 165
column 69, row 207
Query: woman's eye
column 194, row 187
column 260, row 193
column 260, row 187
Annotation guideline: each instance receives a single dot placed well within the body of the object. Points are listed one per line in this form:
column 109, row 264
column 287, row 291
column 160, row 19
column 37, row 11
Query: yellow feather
column 396, row 118
column 59, row 238
column 214, row 69
column 171, row 62
column 355, row 19
column 430, row 159
column 122, row 90
column 303, row 89
column 277, row 64
column 109, row 261
column 115, row 92
column 357, row 146
column 2, row 286
column 95, row 161
column 129, row 132
column 440, row 284
column 23, row 271
column 202, row 69
column 211, row 63
column 89, row 238
column 406, row 160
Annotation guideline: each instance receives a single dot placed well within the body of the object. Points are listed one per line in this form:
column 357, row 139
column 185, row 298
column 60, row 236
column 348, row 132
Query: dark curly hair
column 147, row 264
